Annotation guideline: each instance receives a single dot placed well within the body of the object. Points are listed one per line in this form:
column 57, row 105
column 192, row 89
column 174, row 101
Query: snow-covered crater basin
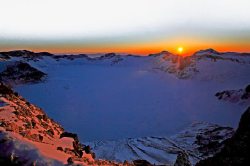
column 100, row 101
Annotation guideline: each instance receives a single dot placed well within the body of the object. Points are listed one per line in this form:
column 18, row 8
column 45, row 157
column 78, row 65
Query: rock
column 126, row 162
column 4, row 90
column 234, row 96
column 42, row 117
column 78, row 147
column 50, row 132
column 33, row 123
column 28, row 125
column 59, row 148
column 44, row 125
column 142, row 163
column 210, row 142
column 12, row 127
column 182, row 160
column 70, row 135
column 87, row 149
column 246, row 95
column 247, row 89
column 236, row 150
column 16, row 113
column 40, row 137
column 70, row 161
column 21, row 72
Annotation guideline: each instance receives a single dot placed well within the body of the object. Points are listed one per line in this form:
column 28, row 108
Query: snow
column 161, row 149
column 24, row 150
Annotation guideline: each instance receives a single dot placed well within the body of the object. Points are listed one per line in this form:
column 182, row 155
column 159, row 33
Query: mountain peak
column 207, row 51
column 160, row 53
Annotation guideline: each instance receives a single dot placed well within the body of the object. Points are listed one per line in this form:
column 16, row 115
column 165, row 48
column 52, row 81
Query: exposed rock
column 247, row 89
column 87, row 149
column 196, row 139
column 12, row 127
column 21, row 72
column 59, row 148
column 4, row 90
column 141, row 163
column 40, row 137
column 240, row 96
column 182, row 160
column 70, row 135
column 236, row 150
column 211, row 141
column 78, row 147
column 33, row 123
column 69, row 57
column 108, row 55
column 246, row 94
column 70, row 161
column 50, row 132
column 42, row 117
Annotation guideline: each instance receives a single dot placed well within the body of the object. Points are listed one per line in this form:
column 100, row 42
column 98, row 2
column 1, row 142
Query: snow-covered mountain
column 131, row 107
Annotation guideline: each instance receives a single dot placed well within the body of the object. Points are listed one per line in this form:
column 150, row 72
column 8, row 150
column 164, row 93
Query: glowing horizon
column 132, row 26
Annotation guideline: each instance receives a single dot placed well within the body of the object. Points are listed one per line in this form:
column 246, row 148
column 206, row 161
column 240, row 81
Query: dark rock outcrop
column 78, row 147
column 142, row 163
column 247, row 89
column 234, row 96
column 21, row 72
column 246, row 94
column 236, row 151
column 70, row 57
column 182, row 160
column 211, row 141
column 108, row 55
column 4, row 90
column 70, row 135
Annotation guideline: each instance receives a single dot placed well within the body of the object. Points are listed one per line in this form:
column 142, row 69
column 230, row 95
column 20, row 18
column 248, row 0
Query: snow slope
column 195, row 140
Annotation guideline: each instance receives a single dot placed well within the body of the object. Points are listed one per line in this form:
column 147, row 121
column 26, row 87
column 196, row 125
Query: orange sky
column 190, row 46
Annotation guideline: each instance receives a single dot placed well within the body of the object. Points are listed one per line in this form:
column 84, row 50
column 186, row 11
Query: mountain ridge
column 17, row 53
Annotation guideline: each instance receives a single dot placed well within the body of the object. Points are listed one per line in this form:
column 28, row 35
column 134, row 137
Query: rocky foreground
column 29, row 137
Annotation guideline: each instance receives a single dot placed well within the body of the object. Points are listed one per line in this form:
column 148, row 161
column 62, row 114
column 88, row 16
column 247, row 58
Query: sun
column 180, row 50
